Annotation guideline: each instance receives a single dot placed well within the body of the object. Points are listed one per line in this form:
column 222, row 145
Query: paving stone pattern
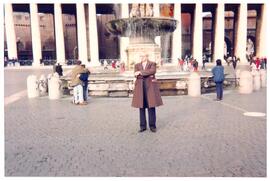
column 196, row 137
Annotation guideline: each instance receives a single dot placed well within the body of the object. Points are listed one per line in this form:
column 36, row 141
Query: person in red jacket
column 181, row 63
column 258, row 62
column 113, row 64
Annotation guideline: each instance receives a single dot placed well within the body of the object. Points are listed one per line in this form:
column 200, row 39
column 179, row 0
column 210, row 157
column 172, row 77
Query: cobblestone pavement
column 195, row 137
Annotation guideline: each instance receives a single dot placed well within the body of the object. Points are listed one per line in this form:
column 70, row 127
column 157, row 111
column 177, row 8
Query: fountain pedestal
column 135, row 50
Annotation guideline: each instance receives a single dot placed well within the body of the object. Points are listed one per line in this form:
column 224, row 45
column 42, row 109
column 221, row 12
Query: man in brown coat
column 146, row 93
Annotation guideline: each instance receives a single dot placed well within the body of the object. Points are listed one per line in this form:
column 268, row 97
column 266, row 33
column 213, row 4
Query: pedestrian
column 59, row 69
column 114, row 64
column 253, row 67
column 146, row 92
column 181, row 63
column 190, row 64
column 195, row 65
column 84, row 78
column 185, row 66
column 76, row 83
column 265, row 62
column 218, row 73
column 234, row 61
column 203, row 63
column 258, row 63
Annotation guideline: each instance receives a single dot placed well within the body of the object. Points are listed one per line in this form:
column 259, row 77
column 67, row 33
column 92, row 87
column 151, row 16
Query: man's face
column 144, row 58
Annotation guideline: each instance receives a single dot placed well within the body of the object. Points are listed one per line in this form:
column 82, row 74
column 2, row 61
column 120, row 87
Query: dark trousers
column 85, row 92
column 151, row 117
column 219, row 89
column 151, row 111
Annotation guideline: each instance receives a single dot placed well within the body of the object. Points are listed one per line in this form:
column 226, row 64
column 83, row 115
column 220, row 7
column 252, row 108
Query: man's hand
column 137, row 73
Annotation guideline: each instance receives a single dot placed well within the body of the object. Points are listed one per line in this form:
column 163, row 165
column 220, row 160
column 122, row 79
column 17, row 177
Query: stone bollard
column 263, row 77
column 54, row 85
column 32, row 86
column 43, row 85
column 194, row 85
column 10, row 64
column 245, row 83
column 237, row 76
column 256, row 81
column 17, row 64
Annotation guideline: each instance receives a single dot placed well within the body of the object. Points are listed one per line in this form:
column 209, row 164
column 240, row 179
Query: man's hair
column 79, row 62
column 218, row 62
column 83, row 65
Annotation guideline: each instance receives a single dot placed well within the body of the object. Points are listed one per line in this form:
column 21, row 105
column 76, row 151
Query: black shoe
column 142, row 130
column 153, row 130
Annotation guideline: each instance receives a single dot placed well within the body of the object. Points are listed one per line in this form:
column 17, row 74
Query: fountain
column 142, row 28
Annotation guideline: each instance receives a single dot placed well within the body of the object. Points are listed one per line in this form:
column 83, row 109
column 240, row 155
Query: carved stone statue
column 149, row 10
column 142, row 10
column 135, row 11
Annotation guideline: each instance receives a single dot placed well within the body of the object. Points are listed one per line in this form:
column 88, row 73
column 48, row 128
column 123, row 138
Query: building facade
column 77, row 31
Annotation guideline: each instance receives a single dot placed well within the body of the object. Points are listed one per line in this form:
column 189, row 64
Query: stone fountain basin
column 140, row 27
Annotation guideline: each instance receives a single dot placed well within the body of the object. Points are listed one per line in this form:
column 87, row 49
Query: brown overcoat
column 152, row 87
column 75, row 80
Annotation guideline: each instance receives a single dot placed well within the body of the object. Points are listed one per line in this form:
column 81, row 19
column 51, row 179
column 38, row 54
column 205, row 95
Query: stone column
column 219, row 34
column 177, row 36
column 261, row 33
column 59, row 34
column 93, row 35
column 157, row 14
column 10, row 32
column 81, row 33
column 124, row 41
column 197, row 34
column 35, row 33
column 241, row 33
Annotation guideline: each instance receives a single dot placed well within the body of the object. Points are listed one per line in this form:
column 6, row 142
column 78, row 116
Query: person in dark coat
column 195, row 65
column 146, row 93
column 59, row 69
column 218, row 72
column 84, row 78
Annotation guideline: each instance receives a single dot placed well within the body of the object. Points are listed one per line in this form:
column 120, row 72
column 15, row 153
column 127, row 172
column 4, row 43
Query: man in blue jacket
column 218, row 72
